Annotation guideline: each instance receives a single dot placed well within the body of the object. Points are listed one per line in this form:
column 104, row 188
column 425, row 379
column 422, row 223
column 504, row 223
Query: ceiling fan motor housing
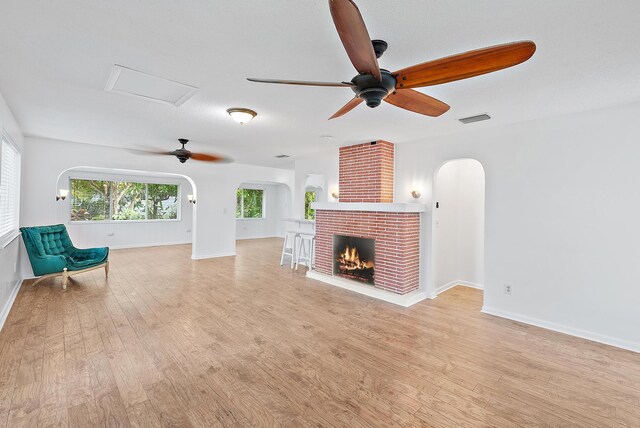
column 371, row 90
column 182, row 154
column 379, row 46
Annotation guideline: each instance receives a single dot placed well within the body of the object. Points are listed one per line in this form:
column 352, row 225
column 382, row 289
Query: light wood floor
column 167, row 341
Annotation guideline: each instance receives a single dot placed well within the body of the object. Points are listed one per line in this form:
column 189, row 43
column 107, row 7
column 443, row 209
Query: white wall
column 444, row 266
column 458, row 229
column 214, row 228
column 277, row 207
column 9, row 253
column 561, row 218
column 471, row 222
column 562, row 203
column 119, row 234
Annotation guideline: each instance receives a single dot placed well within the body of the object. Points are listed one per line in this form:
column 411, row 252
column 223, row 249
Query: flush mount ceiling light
column 241, row 115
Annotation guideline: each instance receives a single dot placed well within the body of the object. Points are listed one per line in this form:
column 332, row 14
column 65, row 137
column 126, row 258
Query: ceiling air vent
column 138, row 84
column 282, row 156
column 477, row 118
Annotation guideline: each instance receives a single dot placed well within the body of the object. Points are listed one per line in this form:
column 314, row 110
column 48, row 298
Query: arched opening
column 314, row 191
column 261, row 207
column 311, row 195
column 159, row 208
column 458, row 226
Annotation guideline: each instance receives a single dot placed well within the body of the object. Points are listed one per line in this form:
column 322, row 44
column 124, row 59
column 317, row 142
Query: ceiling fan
column 373, row 84
column 184, row 155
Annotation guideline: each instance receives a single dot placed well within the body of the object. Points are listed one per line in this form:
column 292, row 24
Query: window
column 99, row 200
column 250, row 203
column 162, row 201
column 90, row 200
column 9, row 188
column 309, row 197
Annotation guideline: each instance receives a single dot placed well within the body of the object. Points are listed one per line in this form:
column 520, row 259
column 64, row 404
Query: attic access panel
column 128, row 81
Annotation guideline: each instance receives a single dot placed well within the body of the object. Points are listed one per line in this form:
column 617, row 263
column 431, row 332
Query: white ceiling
column 57, row 55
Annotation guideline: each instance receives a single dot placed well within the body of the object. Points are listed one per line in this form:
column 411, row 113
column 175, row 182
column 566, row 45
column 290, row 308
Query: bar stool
column 306, row 250
column 289, row 246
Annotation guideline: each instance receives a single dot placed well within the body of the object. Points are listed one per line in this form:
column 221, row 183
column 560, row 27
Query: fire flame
column 350, row 260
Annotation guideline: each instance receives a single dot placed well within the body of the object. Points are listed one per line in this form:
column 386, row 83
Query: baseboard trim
column 450, row 285
column 258, row 237
column 213, row 256
column 404, row 300
column 161, row 244
column 7, row 306
column 560, row 328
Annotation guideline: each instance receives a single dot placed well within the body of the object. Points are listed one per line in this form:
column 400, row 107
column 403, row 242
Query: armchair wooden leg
column 106, row 269
column 40, row 279
column 65, row 278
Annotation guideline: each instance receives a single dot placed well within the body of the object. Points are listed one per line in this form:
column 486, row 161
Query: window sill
column 251, row 219
column 8, row 239
column 75, row 222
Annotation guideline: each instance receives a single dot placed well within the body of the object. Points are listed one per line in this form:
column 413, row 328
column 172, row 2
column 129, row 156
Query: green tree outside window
column 309, row 197
column 249, row 203
column 99, row 200
column 162, row 201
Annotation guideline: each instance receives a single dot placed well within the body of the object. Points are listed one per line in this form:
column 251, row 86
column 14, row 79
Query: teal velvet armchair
column 52, row 253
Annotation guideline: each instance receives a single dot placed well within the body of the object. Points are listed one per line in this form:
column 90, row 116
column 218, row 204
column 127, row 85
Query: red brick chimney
column 366, row 172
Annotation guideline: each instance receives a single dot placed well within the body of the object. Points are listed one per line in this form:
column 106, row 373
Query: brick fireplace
column 366, row 210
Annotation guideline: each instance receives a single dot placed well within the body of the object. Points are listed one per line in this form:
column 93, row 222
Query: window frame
column 8, row 237
column 264, row 204
column 120, row 179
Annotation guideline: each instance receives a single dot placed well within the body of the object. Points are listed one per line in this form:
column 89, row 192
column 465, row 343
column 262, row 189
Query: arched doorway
column 261, row 208
column 458, row 226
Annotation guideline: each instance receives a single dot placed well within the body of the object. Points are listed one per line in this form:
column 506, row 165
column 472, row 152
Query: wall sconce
column 192, row 199
column 415, row 194
column 62, row 194
column 335, row 195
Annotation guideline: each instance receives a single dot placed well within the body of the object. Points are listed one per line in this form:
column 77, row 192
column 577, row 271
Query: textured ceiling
column 57, row 55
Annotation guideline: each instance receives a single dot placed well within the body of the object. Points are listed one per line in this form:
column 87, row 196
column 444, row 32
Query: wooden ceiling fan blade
column 417, row 102
column 465, row 65
column 347, row 107
column 208, row 157
column 148, row 151
column 355, row 37
column 302, row 82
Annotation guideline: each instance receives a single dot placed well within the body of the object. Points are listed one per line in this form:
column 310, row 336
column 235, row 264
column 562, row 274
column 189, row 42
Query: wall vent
column 282, row 156
column 476, row 118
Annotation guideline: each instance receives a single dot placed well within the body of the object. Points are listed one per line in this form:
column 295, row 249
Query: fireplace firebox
column 354, row 258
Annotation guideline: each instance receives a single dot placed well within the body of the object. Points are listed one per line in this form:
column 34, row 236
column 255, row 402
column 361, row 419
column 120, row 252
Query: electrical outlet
column 15, row 267
column 110, row 234
column 188, row 230
column 507, row 288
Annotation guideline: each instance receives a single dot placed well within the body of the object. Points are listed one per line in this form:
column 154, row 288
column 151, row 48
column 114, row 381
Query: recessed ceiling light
column 128, row 81
column 241, row 115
